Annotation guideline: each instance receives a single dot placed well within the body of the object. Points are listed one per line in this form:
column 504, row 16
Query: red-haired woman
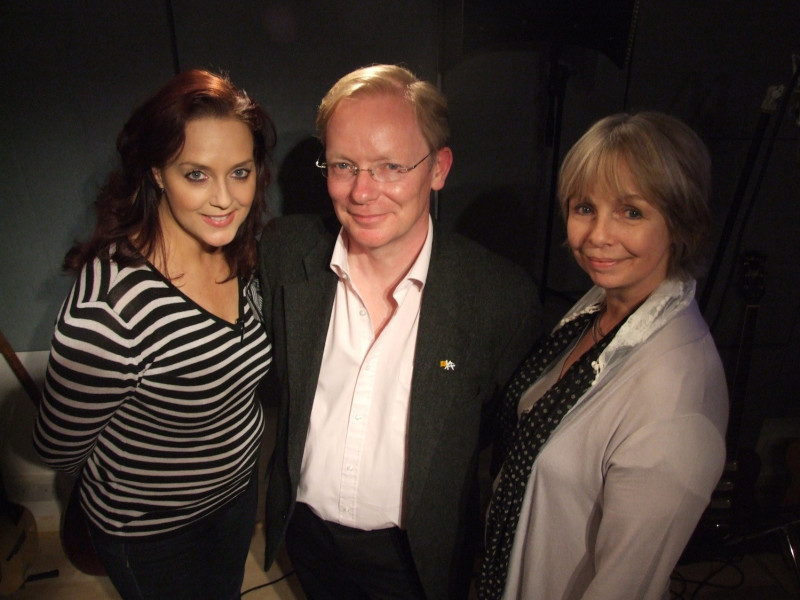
column 159, row 346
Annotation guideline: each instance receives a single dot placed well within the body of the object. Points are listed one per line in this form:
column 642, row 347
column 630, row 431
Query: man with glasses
column 392, row 339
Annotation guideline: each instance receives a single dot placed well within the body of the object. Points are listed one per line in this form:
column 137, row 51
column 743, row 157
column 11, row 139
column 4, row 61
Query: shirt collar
column 670, row 298
column 418, row 273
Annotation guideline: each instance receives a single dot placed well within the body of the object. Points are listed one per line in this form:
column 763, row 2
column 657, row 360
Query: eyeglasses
column 384, row 173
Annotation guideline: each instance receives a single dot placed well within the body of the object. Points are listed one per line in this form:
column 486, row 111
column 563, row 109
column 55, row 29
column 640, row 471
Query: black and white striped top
column 155, row 395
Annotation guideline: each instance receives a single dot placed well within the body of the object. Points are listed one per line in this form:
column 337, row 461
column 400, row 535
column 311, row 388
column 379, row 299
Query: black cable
column 628, row 64
column 706, row 582
column 269, row 583
column 43, row 575
column 557, row 85
column 677, row 594
column 173, row 38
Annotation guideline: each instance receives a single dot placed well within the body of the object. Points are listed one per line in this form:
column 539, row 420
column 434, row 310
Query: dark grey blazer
column 478, row 311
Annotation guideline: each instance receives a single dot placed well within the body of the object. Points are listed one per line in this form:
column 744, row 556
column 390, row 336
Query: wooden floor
column 71, row 584
column 763, row 576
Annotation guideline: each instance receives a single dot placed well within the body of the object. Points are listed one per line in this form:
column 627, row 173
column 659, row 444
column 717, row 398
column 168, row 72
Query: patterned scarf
column 526, row 439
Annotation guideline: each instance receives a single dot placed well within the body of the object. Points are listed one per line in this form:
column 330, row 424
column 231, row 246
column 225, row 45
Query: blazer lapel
column 308, row 304
column 440, row 338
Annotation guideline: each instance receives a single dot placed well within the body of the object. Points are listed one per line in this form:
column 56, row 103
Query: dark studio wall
column 70, row 73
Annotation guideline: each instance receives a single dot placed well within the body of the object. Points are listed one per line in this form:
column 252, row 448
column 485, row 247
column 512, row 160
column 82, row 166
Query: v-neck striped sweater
column 154, row 397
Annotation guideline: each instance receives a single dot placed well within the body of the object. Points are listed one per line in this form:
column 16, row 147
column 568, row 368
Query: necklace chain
column 597, row 331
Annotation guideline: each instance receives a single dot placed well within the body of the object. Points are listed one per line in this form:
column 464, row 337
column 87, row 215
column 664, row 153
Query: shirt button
column 358, row 417
column 362, row 312
column 349, row 467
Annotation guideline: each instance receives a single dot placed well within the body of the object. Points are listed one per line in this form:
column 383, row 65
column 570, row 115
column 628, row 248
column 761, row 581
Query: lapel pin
column 447, row 365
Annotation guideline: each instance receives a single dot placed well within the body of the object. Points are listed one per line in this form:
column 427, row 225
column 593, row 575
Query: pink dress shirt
column 355, row 453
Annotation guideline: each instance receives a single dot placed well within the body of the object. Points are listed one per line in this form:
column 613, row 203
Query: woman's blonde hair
column 668, row 162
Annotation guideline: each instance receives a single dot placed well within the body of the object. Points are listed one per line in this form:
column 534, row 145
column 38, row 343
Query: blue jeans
column 200, row 561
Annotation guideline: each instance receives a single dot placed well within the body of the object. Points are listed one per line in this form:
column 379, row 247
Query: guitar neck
column 19, row 370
